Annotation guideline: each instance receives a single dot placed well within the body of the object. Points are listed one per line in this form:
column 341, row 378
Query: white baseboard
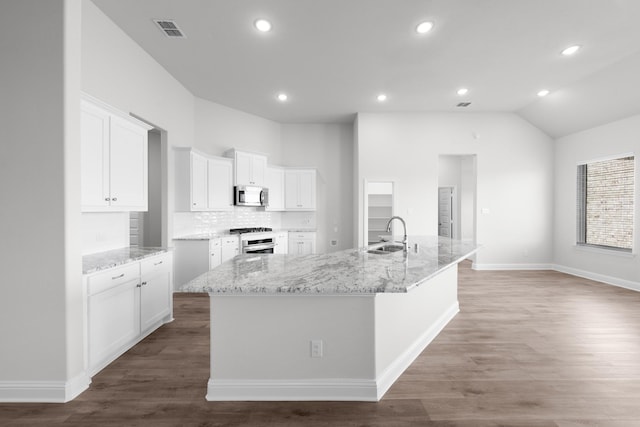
column 609, row 280
column 360, row 390
column 43, row 391
column 477, row 266
column 398, row 366
column 292, row 390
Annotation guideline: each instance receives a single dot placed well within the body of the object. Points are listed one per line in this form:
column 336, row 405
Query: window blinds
column 605, row 203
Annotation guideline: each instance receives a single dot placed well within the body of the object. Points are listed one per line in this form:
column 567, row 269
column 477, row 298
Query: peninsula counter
column 336, row 326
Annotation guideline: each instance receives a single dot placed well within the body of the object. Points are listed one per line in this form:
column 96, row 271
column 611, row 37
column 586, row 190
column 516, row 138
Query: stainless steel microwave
column 250, row 195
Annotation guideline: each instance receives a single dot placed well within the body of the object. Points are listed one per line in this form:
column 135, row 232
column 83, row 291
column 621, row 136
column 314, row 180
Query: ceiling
column 333, row 57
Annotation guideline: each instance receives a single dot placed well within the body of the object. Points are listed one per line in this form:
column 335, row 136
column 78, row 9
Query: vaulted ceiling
column 334, row 57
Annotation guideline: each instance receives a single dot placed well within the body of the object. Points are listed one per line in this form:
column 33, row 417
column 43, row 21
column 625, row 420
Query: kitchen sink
column 386, row 248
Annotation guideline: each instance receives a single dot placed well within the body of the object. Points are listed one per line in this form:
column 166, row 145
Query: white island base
column 261, row 344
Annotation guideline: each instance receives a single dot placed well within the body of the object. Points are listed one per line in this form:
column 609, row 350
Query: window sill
column 604, row 251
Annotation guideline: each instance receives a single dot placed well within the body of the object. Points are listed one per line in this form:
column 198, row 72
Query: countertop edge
column 146, row 252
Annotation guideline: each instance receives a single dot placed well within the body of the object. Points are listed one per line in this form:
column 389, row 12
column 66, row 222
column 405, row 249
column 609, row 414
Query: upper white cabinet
column 113, row 159
column 250, row 168
column 203, row 183
column 300, row 189
column 275, row 184
column 220, row 183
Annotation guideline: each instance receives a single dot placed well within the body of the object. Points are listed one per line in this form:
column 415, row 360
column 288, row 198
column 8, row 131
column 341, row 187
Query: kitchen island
column 337, row 326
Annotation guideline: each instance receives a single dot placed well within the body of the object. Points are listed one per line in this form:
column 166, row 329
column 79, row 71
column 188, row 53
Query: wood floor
column 526, row 349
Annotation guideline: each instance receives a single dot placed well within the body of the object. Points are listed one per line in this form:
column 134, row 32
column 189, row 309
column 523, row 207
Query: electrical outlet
column 334, row 243
column 316, row 348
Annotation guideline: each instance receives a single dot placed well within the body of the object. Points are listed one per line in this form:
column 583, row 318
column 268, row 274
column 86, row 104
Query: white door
column 445, row 211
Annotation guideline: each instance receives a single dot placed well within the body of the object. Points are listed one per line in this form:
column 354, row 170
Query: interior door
column 445, row 211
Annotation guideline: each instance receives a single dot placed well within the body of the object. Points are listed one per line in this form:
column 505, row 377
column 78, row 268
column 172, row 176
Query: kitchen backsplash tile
column 186, row 223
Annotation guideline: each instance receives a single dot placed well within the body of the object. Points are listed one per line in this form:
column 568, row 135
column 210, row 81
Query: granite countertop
column 352, row 271
column 113, row 258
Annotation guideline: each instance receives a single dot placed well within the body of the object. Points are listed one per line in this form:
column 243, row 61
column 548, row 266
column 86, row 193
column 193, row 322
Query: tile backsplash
column 186, row 223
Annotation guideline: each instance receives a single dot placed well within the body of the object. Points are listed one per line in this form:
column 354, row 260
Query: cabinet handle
column 139, row 285
column 194, row 204
column 143, row 283
column 157, row 263
column 114, row 199
column 117, row 277
column 106, row 199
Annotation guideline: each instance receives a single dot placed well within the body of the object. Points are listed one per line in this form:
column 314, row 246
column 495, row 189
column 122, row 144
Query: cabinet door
column 155, row 291
column 113, row 321
column 128, row 165
column 259, row 170
column 307, row 189
column 94, row 151
column 220, row 184
column 291, row 196
column 282, row 243
column 199, row 182
column 215, row 253
column 243, row 168
column 230, row 248
column 275, row 184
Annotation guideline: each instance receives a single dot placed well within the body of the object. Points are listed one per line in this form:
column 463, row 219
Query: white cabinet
column 250, row 168
column 281, row 242
column 275, row 184
column 114, row 155
column 220, row 183
column 215, row 253
column 156, row 290
column 125, row 304
column 300, row 189
column 302, row 243
column 203, row 183
column 230, row 247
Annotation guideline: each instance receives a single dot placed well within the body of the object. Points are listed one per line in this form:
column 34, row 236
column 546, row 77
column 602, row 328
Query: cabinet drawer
column 302, row 235
column 103, row 281
column 156, row 263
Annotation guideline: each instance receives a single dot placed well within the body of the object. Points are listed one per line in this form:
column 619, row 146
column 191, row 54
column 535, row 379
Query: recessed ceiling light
column 262, row 25
column 282, row 97
column 382, row 97
column 462, row 91
column 571, row 50
column 424, row 27
column 543, row 92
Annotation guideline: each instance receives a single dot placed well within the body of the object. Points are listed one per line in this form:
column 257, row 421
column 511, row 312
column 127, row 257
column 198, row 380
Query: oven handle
column 258, row 247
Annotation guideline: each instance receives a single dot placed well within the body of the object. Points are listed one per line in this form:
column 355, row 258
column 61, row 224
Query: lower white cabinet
column 302, row 243
column 230, row 247
column 215, row 253
column 282, row 243
column 125, row 304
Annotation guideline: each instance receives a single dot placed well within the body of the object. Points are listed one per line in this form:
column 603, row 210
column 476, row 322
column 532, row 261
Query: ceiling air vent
column 463, row 104
column 169, row 28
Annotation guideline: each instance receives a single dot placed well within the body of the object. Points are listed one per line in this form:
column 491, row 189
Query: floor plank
column 529, row 348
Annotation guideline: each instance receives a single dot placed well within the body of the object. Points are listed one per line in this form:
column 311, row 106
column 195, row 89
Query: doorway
column 378, row 209
column 445, row 211
column 457, row 184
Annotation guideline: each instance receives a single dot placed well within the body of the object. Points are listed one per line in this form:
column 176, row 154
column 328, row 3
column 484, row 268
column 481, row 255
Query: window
column 605, row 204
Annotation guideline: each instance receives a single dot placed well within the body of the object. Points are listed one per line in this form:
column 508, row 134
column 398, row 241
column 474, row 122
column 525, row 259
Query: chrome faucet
column 405, row 243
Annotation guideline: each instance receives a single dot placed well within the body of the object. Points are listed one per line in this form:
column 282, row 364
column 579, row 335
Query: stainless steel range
column 256, row 240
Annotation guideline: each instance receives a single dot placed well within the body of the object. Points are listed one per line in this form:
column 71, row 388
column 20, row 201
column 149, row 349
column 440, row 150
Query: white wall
column 514, row 177
column 329, row 149
column 119, row 72
column 40, row 296
column 219, row 128
column 620, row 137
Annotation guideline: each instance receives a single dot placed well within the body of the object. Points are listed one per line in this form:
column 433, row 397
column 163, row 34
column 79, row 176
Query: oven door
column 258, row 246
